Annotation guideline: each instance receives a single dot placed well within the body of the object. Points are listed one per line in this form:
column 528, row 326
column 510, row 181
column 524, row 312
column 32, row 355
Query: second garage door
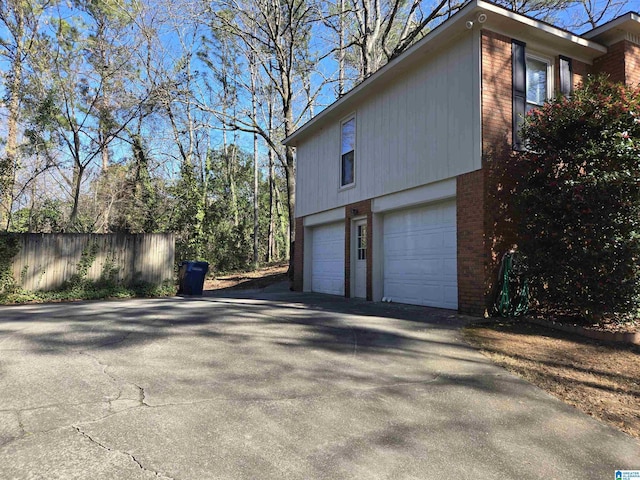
column 327, row 260
column 420, row 256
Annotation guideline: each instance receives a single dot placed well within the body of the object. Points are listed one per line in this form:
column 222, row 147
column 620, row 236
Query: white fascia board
column 629, row 21
column 328, row 216
column 538, row 25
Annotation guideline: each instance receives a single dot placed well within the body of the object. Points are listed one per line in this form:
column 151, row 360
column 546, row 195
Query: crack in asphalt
column 117, row 381
column 116, row 342
column 133, row 458
column 142, row 396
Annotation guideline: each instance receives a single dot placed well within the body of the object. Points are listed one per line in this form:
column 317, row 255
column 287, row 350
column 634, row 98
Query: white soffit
column 621, row 28
column 540, row 34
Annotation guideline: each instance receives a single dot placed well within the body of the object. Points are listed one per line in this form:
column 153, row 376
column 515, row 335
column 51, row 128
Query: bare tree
column 21, row 22
column 66, row 99
column 591, row 13
column 370, row 33
column 277, row 33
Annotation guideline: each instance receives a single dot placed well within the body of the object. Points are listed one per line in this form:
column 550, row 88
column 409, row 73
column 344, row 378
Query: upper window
column 532, row 80
column 538, row 77
column 347, row 152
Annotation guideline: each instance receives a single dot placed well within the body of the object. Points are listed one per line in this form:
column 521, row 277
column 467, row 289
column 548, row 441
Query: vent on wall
column 633, row 38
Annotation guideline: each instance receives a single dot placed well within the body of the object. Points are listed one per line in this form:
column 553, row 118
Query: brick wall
column 479, row 221
column 632, row 63
column 354, row 210
column 496, row 90
column 470, row 196
column 298, row 256
column 580, row 72
column 612, row 62
column 486, row 223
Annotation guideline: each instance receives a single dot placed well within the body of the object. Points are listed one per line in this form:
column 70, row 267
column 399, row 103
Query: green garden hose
column 513, row 298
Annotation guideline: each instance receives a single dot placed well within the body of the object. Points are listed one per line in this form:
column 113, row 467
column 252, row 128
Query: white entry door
column 420, row 255
column 359, row 254
column 327, row 259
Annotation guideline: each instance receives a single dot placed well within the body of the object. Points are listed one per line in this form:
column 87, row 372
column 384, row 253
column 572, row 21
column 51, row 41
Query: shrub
column 579, row 200
column 9, row 247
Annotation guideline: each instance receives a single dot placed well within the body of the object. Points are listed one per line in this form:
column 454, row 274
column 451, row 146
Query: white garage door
column 327, row 260
column 420, row 256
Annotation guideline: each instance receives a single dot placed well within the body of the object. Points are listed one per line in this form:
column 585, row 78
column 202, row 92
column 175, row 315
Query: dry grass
column 602, row 380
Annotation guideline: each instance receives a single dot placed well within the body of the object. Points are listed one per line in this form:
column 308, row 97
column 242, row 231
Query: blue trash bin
column 191, row 275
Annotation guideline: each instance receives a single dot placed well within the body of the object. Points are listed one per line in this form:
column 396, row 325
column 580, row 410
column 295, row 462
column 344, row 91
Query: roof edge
column 540, row 25
column 611, row 24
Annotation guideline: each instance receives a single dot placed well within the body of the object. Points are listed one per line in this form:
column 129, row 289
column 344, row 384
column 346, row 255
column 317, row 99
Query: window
column 347, row 152
column 537, row 82
column 362, row 242
column 532, row 85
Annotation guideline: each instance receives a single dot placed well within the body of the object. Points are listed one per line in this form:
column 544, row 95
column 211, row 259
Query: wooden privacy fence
column 45, row 261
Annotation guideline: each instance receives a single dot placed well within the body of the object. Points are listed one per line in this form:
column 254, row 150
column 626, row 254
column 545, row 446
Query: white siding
column 422, row 128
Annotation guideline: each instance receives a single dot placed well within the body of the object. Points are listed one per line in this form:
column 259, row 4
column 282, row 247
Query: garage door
column 327, row 260
column 420, row 256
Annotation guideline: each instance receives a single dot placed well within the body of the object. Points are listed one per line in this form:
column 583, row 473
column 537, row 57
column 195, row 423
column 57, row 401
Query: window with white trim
column 539, row 77
column 347, row 152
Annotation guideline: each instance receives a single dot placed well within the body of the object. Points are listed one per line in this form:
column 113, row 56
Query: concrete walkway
column 276, row 385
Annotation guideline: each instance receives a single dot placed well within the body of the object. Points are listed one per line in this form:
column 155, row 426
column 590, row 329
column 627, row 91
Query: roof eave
column 614, row 29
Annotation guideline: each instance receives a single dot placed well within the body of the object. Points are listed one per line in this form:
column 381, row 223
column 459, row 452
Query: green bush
column 9, row 248
column 579, row 200
column 88, row 290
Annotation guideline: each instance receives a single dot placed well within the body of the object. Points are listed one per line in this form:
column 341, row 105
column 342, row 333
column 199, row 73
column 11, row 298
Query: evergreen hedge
column 579, row 201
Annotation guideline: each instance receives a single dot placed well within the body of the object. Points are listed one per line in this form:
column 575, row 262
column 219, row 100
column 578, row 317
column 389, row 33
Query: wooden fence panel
column 46, row 261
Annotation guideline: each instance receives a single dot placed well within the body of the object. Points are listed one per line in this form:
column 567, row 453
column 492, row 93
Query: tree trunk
column 271, row 233
column 9, row 172
column 290, row 173
column 78, row 173
column 254, row 109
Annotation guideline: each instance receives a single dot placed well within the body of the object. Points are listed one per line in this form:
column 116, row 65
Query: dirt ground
column 247, row 280
column 602, row 380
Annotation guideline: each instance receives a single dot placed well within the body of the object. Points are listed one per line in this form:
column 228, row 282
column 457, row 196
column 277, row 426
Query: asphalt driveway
column 276, row 386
